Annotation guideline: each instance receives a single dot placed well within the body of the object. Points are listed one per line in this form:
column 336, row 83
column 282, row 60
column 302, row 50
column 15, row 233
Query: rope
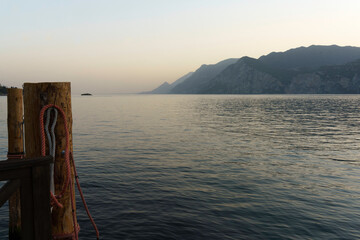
column 83, row 199
column 67, row 182
column 51, row 140
column 19, row 155
column 54, row 197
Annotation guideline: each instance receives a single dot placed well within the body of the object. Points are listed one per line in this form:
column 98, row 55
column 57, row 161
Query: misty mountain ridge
column 310, row 58
column 314, row 69
column 201, row 76
column 165, row 88
column 193, row 81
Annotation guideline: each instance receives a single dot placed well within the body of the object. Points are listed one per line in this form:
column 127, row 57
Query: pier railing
column 32, row 176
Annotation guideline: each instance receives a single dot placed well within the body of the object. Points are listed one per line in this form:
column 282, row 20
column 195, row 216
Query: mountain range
column 315, row 69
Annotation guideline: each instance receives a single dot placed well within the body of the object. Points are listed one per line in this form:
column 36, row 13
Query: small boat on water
column 86, row 94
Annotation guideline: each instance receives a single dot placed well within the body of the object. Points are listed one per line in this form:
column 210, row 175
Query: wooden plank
column 41, row 191
column 15, row 146
column 7, row 190
column 34, row 194
column 15, row 164
column 27, row 211
column 15, row 174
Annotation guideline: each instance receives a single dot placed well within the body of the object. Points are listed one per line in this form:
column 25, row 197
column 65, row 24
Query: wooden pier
column 28, row 188
column 35, row 212
column 32, row 177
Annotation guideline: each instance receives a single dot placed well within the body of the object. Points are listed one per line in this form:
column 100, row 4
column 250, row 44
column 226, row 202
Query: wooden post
column 15, row 148
column 37, row 95
column 32, row 176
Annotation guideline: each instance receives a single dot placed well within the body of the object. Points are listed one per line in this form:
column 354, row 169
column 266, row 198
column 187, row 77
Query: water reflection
column 219, row 167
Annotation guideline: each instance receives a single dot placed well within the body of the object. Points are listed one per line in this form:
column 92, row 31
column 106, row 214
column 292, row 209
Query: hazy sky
column 118, row 46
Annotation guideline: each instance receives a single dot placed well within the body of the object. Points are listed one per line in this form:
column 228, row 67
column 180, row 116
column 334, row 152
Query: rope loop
column 54, row 198
column 52, row 148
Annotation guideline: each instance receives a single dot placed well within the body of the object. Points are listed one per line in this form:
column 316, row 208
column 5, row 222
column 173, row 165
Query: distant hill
column 338, row 79
column 310, row 58
column 166, row 87
column 201, row 76
column 251, row 76
column 248, row 75
column 314, row 69
column 182, row 79
column 163, row 88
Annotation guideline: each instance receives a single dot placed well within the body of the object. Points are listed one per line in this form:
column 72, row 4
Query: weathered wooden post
column 36, row 96
column 15, row 150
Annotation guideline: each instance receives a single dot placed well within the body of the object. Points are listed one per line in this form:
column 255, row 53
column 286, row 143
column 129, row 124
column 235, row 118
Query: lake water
column 216, row 166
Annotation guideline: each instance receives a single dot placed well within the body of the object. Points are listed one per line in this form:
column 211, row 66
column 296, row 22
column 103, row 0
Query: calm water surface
column 215, row 166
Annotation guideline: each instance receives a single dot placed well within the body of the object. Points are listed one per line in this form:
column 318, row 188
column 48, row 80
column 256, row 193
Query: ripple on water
column 217, row 167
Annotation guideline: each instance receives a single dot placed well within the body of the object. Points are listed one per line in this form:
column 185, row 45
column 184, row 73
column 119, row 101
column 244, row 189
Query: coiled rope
column 68, row 181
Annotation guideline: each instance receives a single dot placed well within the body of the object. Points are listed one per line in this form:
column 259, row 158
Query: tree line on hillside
column 3, row 90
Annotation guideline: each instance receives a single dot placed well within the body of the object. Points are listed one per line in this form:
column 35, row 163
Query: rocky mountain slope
column 250, row 76
column 200, row 78
column 166, row 87
column 311, row 58
column 315, row 69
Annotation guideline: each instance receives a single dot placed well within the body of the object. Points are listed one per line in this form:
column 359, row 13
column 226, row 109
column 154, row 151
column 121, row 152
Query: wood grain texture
column 15, row 119
column 37, row 95
column 8, row 189
column 33, row 178
column 16, row 164
column 27, row 211
column 15, row 145
column 15, row 174
column 41, row 195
